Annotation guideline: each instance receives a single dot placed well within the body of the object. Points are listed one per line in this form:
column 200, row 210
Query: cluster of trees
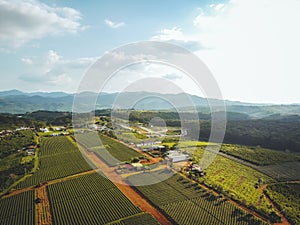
column 8, row 121
column 12, row 174
column 51, row 118
column 280, row 135
column 11, row 143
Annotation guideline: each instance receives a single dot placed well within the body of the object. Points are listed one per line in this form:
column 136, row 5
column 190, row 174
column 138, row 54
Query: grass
column 27, row 159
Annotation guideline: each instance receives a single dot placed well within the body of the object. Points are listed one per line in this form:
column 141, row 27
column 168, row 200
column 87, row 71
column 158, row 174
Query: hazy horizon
column 71, row 93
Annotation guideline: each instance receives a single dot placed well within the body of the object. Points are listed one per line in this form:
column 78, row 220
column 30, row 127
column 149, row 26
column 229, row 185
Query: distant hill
column 18, row 102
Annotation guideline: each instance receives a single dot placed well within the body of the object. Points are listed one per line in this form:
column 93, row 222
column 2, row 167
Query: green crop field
column 18, row 209
column 238, row 182
column 143, row 218
column 108, row 149
column 187, row 203
column 118, row 150
column 59, row 157
column 288, row 171
column 258, row 155
column 286, row 196
column 90, row 199
column 89, row 139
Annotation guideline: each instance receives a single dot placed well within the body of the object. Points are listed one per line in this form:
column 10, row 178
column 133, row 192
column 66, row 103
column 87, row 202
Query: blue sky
column 251, row 47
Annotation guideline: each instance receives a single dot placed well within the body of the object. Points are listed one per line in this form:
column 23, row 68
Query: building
column 177, row 156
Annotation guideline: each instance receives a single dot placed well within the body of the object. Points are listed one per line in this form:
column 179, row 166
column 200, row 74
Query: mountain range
column 18, row 102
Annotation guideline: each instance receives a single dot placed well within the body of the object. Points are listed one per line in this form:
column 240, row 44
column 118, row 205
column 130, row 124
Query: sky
column 251, row 47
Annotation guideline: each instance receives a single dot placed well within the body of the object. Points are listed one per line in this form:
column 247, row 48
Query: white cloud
column 174, row 33
column 53, row 57
column 54, row 71
column 177, row 37
column 25, row 20
column 253, row 48
column 217, row 7
column 27, row 61
column 112, row 24
column 172, row 76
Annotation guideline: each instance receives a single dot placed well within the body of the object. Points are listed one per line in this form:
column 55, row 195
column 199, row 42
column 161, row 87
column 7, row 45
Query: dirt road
column 43, row 213
column 127, row 190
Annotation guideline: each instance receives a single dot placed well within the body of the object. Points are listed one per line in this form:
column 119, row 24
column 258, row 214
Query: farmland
column 187, row 203
column 281, row 166
column 90, row 199
column 18, row 209
column 238, row 182
column 143, row 218
column 59, row 157
column 259, row 156
column 288, row 171
column 256, row 155
column 108, row 149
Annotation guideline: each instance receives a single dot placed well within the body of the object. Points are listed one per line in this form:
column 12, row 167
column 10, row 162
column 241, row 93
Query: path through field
column 43, row 213
column 284, row 221
column 127, row 190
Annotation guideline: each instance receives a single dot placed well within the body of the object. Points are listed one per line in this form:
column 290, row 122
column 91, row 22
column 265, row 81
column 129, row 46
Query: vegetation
column 276, row 132
column 90, row 199
column 287, row 198
column 143, row 218
column 108, row 149
column 238, row 182
column 79, row 200
column 51, row 118
column 18, row 209
column 10, row 143
column 288, row 171
column 14, row 162
column 258, row 155
column 118, row 150
column 185, row 202
column 59, row 158
column 8, row 121
column 255, row 155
